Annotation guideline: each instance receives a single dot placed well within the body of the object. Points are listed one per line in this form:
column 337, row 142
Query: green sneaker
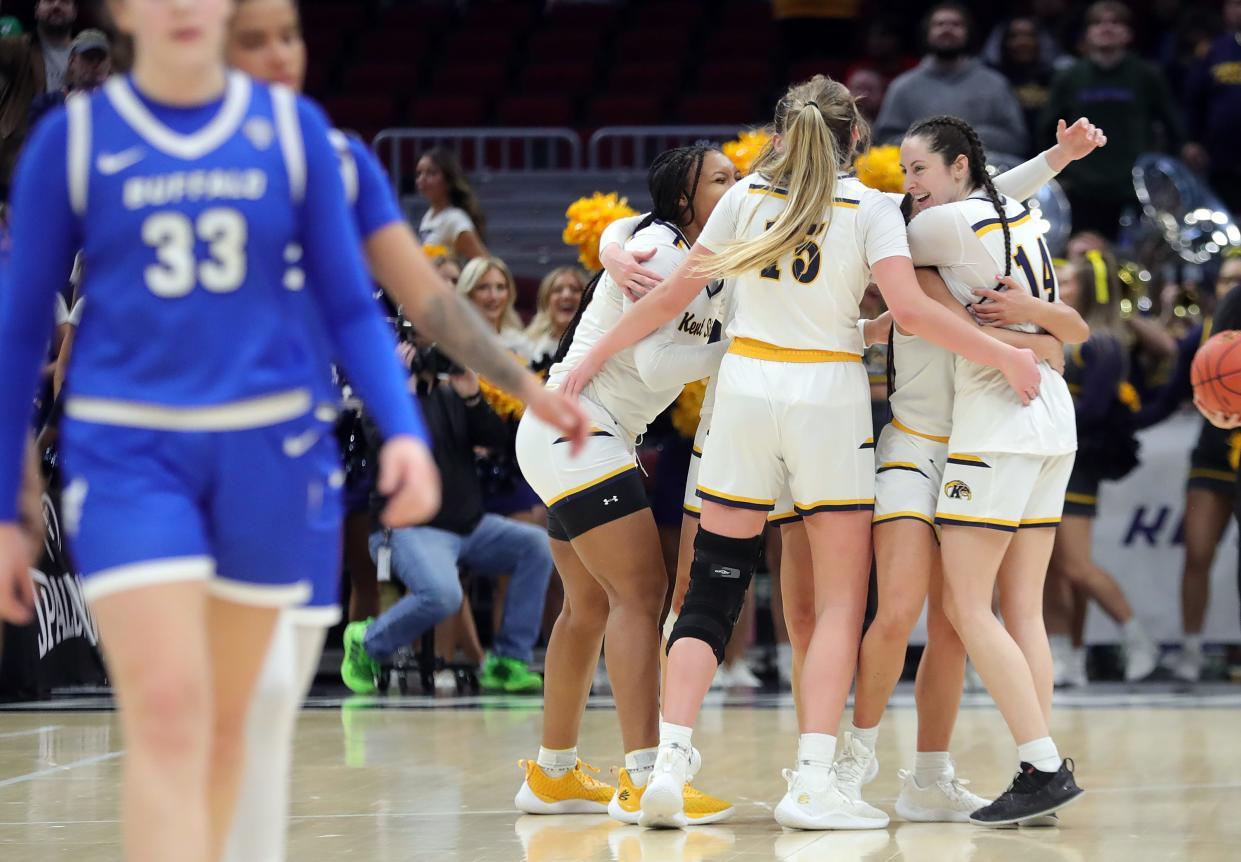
column 358, row 669
column 508, row 675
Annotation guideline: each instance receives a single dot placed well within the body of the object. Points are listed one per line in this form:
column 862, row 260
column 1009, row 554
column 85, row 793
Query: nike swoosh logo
column 299, row 445
column 114, row 163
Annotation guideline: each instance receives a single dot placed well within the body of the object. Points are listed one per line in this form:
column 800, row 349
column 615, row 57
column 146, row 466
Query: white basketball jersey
column 987, row 415
column 809, row 299
column 618, row 387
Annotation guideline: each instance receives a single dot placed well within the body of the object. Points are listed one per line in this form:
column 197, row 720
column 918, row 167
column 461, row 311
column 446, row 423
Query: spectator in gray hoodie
column 951, row 81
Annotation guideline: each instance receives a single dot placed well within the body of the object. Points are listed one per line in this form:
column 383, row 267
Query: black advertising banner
column 60, row 648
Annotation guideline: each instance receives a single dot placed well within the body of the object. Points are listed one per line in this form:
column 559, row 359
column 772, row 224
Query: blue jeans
column 425, row 560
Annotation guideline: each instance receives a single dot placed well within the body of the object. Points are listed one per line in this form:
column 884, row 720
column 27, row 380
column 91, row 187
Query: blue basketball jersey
column 187, row 244
column 198, row 228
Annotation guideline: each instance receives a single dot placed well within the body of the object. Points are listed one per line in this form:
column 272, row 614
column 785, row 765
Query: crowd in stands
column 1157, row 76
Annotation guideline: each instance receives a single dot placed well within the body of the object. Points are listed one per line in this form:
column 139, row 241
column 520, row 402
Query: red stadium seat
column 340, row 18
column 447, row 111
column 658, row 76
column 651, row 44
column 623, row 110
column 511, row 17
column 585, row 15
column 731, row 75
column 391, row 45
column 429, row 17
column 668, row 15
column 571, row 78
column 547, row 46
column 383, row 76
column 761, row 44
column 536, row 111
column 365, row 115
column 747, row 13
column 479, row 45
column 833, row 68
column 717, row 109
column 470, row 78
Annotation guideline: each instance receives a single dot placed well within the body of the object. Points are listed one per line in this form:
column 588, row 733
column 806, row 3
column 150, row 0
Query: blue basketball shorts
column 256, row 513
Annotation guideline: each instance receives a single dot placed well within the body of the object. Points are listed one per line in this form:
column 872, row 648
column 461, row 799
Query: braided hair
column 952, row 137
column 673, row 176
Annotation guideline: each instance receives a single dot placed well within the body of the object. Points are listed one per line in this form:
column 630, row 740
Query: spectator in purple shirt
column 1213, row 111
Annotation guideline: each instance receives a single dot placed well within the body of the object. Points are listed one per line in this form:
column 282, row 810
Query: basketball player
column 597, row 505
column 265, row 41
column 193, row 456
column 1008, row 460
column 793, row 405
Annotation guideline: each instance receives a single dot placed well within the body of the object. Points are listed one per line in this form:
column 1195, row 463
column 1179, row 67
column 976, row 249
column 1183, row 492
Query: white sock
column 1192, row 645
column 1041, row 754
column 868, row 736
column 1133, row 628
column 262, row 814
column 815, row 752
column 931, row 766
column 784, row 655
column 1060, row 644
column 555, row 762
column 639, row 765
column 675, row 734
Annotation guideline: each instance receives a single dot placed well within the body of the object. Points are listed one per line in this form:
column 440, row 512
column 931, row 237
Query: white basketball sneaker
column 663, row 800
column 813, row 801
column 855, row 766
column 945, row 801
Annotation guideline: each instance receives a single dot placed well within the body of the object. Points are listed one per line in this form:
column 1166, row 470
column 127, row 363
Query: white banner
column 1138, row 538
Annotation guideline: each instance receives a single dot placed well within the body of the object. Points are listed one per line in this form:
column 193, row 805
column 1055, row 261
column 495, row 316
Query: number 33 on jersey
column 191, row 230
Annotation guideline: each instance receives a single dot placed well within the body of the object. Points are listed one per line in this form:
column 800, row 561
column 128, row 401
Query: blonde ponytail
column 817, row 120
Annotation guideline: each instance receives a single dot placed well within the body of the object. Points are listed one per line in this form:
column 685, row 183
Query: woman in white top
column 560, row 296
column 603, row 535
column 1008, row 459
column 455, row 219
column 911, row 455
column 488, row 284
column 793, row 406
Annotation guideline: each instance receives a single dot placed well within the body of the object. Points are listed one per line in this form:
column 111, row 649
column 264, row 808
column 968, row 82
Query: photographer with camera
column 425, row 558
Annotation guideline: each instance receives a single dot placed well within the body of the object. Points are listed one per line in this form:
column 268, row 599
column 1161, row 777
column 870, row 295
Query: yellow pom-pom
column 687, row 408
column 880, row 168
column 434, row 251
column 1129, row 396
column 746, row 148
column 505, row 406
column 587, row 220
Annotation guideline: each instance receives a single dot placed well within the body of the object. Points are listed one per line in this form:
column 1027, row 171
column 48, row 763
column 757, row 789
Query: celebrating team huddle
column 198, row 197
column 955, row 496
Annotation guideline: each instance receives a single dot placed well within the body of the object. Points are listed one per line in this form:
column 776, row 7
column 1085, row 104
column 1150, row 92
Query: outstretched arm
column 1072, row 143
column 648, row 314
column 1016, row 306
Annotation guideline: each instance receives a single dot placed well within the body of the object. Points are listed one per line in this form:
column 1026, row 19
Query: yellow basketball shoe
column 699, row 808
column 575, row 792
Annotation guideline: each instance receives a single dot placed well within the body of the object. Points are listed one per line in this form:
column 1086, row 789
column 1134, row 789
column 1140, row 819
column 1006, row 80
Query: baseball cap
column 90, row 40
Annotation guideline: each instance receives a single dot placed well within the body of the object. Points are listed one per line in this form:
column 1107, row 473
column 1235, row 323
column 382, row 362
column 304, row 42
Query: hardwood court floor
column 406, row 779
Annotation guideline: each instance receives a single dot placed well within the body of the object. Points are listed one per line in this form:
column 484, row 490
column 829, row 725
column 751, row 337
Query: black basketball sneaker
column 1032, row 794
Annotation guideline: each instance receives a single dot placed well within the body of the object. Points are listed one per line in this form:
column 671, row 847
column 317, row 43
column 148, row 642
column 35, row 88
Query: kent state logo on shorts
column 958, row 490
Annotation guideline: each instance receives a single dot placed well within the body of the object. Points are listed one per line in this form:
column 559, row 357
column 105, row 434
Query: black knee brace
column 718, row 579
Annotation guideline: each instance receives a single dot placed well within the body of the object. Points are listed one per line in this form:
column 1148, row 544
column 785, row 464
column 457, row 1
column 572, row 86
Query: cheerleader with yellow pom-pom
column 602, row 532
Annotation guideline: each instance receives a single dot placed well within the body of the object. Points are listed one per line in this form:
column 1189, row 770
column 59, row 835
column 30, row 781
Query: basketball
column 1216, row 372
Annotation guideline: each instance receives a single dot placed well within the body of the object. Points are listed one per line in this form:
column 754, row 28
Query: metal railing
column 482, row 150
column 633, row 147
